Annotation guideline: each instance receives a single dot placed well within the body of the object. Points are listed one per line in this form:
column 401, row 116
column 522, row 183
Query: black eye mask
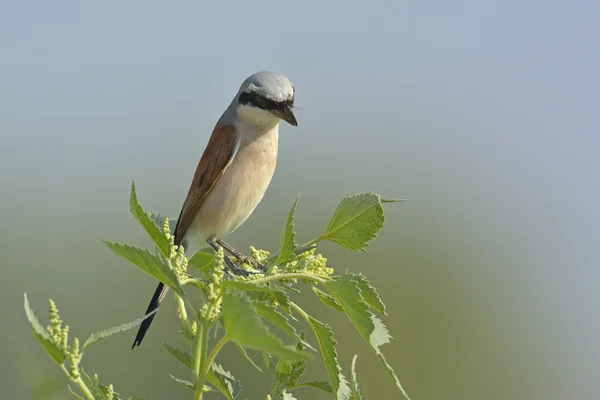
column 256, row 100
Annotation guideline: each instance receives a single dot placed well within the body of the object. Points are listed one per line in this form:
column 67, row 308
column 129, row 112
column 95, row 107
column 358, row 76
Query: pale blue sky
column 484, row 114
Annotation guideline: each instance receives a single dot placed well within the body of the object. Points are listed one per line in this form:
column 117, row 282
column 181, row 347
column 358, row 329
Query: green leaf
column 202, row 261
column 327, row 299
column 160, row 219
column 182, row 356
column 369, row 294
column 42, row 336
column 147, row 262
column 346, row 290
column 183, row 382
column 147, row 222
column 356, row 220
column 321, row 385
column 246, row 356
column 268, row 360
column 284, row 303
column 356, row 393
column 224, row 381
column 275, row 317
column 288, row 240
column 324, row 334
column 103, row 334
column 244, row 326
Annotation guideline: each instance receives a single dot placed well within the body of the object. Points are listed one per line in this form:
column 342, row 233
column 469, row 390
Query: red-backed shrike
column 234, row 170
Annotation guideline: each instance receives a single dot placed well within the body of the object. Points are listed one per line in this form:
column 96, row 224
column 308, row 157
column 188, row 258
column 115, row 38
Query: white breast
column 239, row 191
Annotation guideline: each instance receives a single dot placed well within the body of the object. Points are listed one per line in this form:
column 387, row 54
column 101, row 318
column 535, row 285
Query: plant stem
column 297, row 275
column 80, row 384
column 198, row 357
column 300, row 311
column 312, row 242
column 213, row 354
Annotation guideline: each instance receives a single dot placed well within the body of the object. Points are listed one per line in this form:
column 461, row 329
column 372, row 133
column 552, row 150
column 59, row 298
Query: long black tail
column 157, row 298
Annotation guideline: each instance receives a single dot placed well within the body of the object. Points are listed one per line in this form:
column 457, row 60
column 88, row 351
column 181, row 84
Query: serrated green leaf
column 202, row 261
column 327, row 299
column 275, row 317
column 356, row 393
column 160, row 219
column 224, row 381
column 147, row 262
column 246, row 356
column 373, row 331
column 42, row 336
column 324, row 334
column 288, row 240
column 321, row 385
column 103, row 334
column 147, row 222
column 284, row 303
column 243, row 325
column 355, row 221
column 182, row 356
column 268, row 360
column 369, row 294
column 184, row 382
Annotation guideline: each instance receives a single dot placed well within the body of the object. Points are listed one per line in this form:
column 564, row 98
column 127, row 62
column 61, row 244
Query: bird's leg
column 231, row 267
column 241, row 257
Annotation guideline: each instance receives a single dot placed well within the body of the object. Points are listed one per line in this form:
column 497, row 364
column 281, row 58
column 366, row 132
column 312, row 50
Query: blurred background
column 483, row 114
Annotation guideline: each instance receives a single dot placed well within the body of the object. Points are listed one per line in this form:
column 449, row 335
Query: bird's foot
column 242, row 258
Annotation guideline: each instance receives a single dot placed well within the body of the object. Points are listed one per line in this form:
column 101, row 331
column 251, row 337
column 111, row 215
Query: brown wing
column 217, row 156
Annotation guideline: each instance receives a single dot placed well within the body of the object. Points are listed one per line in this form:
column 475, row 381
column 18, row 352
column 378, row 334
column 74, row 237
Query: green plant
column 249, row 309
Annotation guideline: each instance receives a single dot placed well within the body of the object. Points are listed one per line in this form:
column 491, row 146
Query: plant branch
column 213, row 354
column 300, row 311
column 297, row 275
column 199, row 355
column 313, row 242
column 87, row 393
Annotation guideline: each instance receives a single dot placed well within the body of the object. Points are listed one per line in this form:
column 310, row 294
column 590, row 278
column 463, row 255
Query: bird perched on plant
column 234, row 171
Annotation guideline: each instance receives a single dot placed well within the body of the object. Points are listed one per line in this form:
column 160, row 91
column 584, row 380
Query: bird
column 234, row 171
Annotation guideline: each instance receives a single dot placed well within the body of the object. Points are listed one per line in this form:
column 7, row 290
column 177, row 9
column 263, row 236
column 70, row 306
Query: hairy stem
column 300, row 311
column 298, row 275
column 313, row 242
column 213, row 354
column 199, row 355
column 87, row 393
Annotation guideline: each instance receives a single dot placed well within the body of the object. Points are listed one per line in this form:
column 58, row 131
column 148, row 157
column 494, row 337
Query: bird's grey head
column 265, row 98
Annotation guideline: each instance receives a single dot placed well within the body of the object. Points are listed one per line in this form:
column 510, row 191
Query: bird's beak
column 287, row 114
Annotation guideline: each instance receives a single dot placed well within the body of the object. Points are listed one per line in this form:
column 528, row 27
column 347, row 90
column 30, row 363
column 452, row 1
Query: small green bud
column 259, row 255
column 110, row 392
column 64, row 345
column 73, row 359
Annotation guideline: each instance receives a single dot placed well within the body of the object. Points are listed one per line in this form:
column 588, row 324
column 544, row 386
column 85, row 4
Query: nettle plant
column 245, row 311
